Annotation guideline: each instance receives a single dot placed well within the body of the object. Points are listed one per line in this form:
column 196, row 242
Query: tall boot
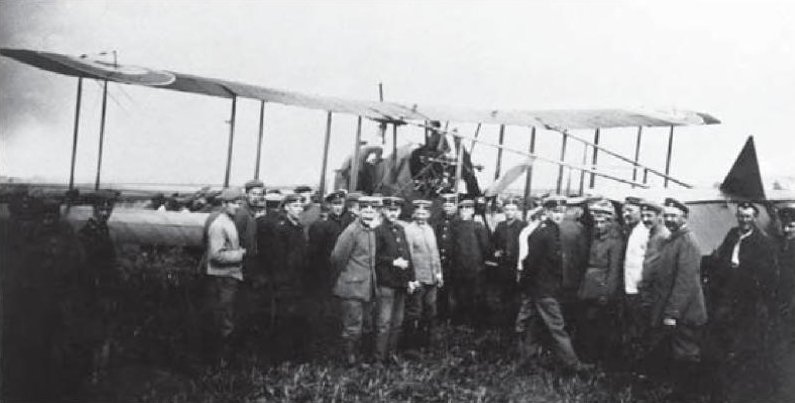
column 381, row 347
column 350, row 351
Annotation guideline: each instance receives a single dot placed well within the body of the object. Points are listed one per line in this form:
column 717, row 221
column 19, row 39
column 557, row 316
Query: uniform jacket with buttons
column 542, row 272
column 390, row 244
column 675, row 286
column 353, row 258
column 470, row 249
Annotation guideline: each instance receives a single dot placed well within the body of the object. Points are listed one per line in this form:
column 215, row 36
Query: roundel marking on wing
column 118, row 72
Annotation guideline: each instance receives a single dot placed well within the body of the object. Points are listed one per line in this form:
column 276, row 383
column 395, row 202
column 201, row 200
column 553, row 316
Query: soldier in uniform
column 224, row 273
column 287, row 275
column 600, row 286
column 742, row 285
column 246, row 223
column 421, row 303
column 393, row 274
column 541, row 279
column 351, row 208
column 470, row 249
column 501, row 291
column 678, row 310
column 443, row 229
column 353, row 258
column 786, row 267
column 323, row 235
column 636, row 310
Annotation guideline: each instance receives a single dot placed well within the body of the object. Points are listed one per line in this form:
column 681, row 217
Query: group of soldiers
column 616, row 284
column 620, row 284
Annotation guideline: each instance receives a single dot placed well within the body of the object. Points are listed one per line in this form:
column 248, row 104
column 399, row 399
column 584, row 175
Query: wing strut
column 637, row 154
column 562, row 159
column 322, row 186
column 668, row 156
column 528, row 182
column 76, row 130
column 354, row 178
column 499, row 153
column 259, row 138
column 231, row 142
column 594, row 158
column 101, row 132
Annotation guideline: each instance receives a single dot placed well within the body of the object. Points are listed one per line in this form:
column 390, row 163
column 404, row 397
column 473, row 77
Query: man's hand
column 413, row 285
column 401, row 263
column 439, row 280
column 669, row 322
column 498, row 254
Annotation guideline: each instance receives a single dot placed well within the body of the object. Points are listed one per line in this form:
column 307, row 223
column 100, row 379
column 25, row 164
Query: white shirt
column 526, row 231
column 633, row 259
column 736, row 250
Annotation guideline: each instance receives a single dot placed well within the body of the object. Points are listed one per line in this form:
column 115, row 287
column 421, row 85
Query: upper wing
column 383, row 111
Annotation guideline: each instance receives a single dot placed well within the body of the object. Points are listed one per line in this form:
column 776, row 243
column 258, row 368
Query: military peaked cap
column 554, row 201
column 448, row 197
column 651, row 206
column 633, row 201
column 422, row 204
column 466, row 203
column 254, row 183
column 671, row 202
column 302, row 189
column 393, row 202
column 371, row 201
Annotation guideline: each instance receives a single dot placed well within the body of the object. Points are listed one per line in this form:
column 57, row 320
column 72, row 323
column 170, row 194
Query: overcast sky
column 733, row 60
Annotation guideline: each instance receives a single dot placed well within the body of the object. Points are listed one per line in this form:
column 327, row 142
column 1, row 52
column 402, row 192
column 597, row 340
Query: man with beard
column 541, row 280
column 678, row 311
column 742, row 285
column 353, row 258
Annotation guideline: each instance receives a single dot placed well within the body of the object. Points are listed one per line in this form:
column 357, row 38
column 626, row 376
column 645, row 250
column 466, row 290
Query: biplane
column 441, row 164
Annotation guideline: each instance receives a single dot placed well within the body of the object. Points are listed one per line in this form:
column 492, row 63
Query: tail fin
column 744, row 178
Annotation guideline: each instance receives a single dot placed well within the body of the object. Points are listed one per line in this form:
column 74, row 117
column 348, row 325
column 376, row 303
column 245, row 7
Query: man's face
column 421, row 215
column 745, row 218
column 102, row 213
column 255, row 195
column 392, row 213
column 354, row 208
column 336, row 208
column 294, row 210
column 232, row 206
column 556, row 214
column 367, row 213
column 510, row 211
column 631, row 214
column 673, row 218
column 649, row 218
column 789, row 230
column 450, row 209
column 601, row 223
column 306, row 197
column 466, row 213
